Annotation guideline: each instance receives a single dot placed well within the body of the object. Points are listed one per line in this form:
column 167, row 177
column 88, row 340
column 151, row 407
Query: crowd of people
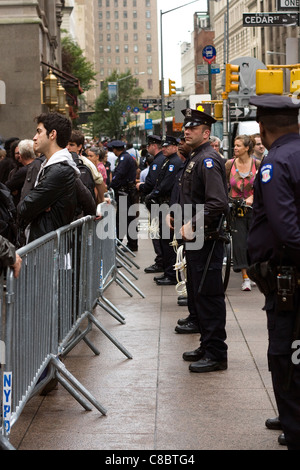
column 254, row 193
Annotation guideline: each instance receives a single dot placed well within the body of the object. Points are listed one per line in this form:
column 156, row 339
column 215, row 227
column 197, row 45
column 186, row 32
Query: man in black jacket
column 52, row 202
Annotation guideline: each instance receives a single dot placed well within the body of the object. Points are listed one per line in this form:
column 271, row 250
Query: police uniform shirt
column 204, row 182
column 154, row 169
column 167, row 176
column 276, row 206
column 125, row 171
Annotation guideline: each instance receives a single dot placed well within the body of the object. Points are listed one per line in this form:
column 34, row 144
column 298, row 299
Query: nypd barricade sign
column 6, row 401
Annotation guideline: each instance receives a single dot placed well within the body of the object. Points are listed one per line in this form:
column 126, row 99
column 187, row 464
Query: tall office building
column 126, row 34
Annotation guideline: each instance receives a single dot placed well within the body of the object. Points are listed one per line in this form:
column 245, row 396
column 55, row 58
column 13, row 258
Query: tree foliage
column 107, row 119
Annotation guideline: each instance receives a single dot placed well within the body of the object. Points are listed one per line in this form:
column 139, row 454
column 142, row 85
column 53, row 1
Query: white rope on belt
column 180, row 268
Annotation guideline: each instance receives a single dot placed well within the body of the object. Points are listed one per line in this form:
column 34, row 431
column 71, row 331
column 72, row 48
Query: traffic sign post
column 209, row 54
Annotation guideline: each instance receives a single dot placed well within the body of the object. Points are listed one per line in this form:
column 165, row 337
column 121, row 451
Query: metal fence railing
column 50, row 308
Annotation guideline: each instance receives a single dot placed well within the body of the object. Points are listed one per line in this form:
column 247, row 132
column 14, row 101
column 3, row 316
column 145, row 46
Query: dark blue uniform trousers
column 209, row 304
column 285, row 374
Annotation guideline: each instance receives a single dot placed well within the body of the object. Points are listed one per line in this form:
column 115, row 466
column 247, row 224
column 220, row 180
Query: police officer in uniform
column 161, row 193
column 123, row 183
column 274, row 251
column 154, row 147
column 204, row 183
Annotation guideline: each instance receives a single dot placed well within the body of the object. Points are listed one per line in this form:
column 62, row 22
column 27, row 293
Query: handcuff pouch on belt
column 282, row 281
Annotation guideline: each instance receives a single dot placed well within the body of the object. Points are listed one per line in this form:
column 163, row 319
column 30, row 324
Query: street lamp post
column 163, row 120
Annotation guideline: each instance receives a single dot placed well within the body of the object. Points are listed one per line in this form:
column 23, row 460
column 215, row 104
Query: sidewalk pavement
column 154, row 402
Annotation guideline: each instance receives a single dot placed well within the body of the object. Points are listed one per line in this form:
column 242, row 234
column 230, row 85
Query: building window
column 108, row 49
column 116, row 3
column 108, row 26
column 149, row 70
column 126, row 60
column 116, row 26
column 135, row 25
column 148, row 37
column 148, row 25
column 136, row 59
column 150, row 84
column 107, row 15
column 135, row 48
column 149, row 59
column 126, row 25
column 148, row 14
column 126, row 37
column 126, row 48
column 149, row 48
column 134, row 14
column 116, row 15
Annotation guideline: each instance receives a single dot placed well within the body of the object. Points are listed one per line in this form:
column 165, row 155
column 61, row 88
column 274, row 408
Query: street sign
column 288, row 5
column 209, row 54
column 215, row 68
column 202, row 69
column 136, row 110
column 236, row 112
column 148, row 124
column 270, row 19
column 148, row 101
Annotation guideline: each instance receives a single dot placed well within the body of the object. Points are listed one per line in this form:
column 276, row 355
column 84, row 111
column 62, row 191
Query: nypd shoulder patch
column 266, row 173
column 154, row 167
column 209, row 163
column 171, row 167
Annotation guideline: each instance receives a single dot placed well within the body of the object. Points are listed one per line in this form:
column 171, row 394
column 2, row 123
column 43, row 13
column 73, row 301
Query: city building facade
column 29, row 39
column 126, row 33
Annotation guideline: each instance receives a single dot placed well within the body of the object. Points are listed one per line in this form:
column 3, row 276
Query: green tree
column 107, row 119
column 74, row 63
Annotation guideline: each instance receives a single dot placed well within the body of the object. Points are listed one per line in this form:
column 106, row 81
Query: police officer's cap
column 194, row 117
column 270, row 105
column 170, row 140
column 117, row 144
column 154, row 139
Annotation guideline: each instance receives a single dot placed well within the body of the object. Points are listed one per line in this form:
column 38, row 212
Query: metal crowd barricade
column 50, row 308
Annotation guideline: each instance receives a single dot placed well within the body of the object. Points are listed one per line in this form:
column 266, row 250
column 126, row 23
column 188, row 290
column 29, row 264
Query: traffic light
column 172, row 88
column 231, row 75
column 218, row 110
column 269, row 81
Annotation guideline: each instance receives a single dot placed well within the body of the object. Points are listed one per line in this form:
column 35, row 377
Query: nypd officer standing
column 161, row 194
column 204, row 183
column 274, row 250
column 123, row 183
column 154, row 147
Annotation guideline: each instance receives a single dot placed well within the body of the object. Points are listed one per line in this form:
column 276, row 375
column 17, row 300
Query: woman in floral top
column 241, row 172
